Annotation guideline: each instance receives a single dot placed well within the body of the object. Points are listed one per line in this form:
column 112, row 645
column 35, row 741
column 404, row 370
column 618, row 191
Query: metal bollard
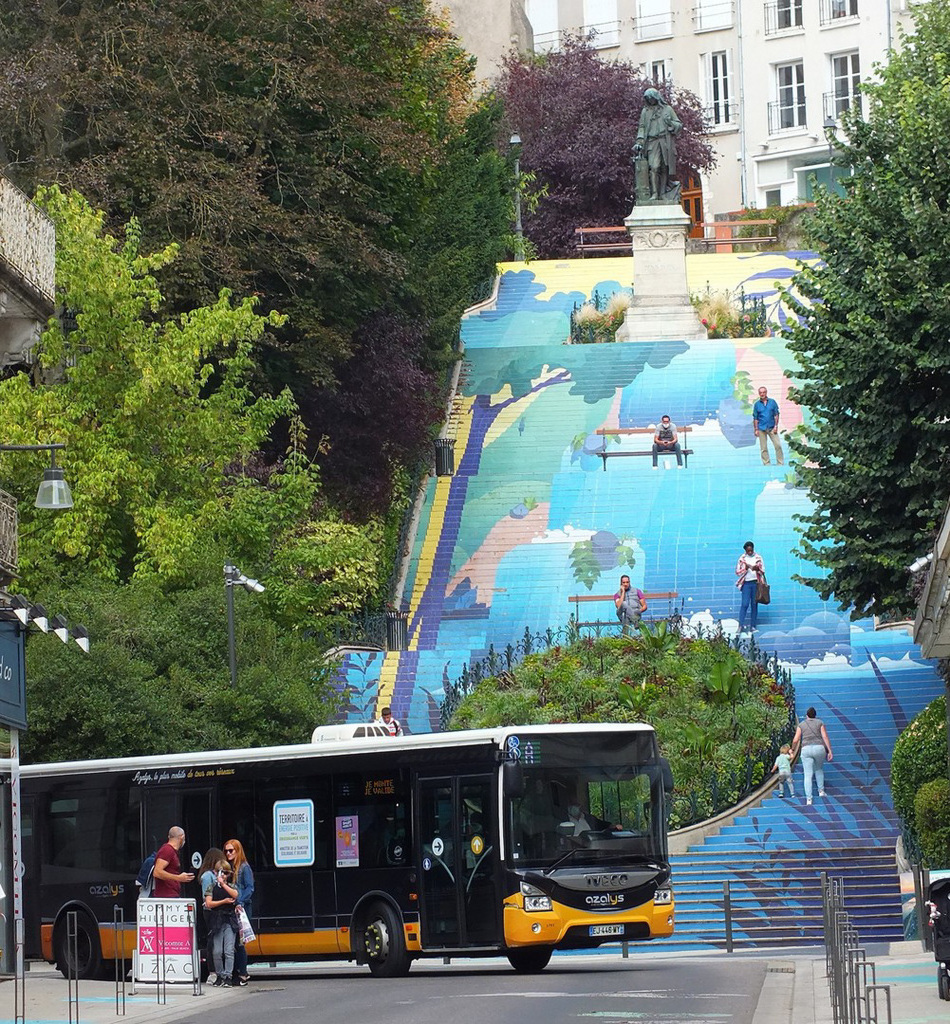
column 72, row 965
column 886, row 989
column 118, row 930
column 727, row 909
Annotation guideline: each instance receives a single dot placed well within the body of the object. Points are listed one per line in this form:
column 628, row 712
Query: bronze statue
column 654, row 153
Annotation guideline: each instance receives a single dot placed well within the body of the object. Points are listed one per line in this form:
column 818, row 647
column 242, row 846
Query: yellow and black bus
column 512, row 842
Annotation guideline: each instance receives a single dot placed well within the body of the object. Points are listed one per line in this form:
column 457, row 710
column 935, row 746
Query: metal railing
column 786, row 117
column 834, row 104
column 831, row 11
column 713, row 14
column 852, row 978
column 783, row 16
column 603, row 35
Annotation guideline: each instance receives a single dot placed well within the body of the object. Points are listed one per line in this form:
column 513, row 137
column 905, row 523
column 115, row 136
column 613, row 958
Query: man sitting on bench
column 666, row 441
column 630, row 604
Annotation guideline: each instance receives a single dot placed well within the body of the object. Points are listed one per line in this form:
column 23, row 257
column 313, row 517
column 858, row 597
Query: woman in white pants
column 811, row 738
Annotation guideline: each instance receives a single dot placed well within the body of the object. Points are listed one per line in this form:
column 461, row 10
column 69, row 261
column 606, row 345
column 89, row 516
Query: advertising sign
column 165, row 941
column 293, row 833
column 348, row 841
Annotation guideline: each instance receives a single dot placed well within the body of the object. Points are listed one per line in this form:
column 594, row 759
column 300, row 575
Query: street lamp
column 515, row 143
column 53, row 492
column 830, row 127
column 233, row 577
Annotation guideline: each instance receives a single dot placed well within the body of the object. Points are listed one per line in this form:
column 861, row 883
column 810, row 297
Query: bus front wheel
column 529, row 960
column 384, row 943
column 87, row 963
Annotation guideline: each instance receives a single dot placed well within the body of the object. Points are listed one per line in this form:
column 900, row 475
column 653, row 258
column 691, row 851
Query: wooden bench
column 584, row 246
column 659, row 595
column 605, row 455
column 725, row 236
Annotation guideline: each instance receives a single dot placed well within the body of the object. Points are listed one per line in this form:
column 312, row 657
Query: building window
column 601, row 23
column 788, row 111
column 782, row 16
column 773, row 197
column 845, row 84
column 543, row 17
column 660, row 71
column 654, row 19
column 719, row 108
column 713, row 14
column 831, row 11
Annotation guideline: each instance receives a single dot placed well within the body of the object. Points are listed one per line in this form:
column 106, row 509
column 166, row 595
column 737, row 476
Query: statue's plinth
column 661, row 310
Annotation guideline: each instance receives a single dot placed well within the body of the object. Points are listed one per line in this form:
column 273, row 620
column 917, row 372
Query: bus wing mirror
column 666, row 773
column 513, row 779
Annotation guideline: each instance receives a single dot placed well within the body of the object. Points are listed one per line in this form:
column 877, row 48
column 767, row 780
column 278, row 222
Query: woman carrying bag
column 244, row 882
column 751, row 572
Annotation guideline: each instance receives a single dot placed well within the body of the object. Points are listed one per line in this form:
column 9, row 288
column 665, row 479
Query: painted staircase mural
column 532, row 518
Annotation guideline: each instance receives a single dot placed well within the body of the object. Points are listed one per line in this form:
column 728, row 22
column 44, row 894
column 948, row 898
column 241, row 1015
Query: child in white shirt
column 783, row 765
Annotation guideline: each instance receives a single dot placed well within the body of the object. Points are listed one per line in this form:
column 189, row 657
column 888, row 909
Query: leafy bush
column 720, row 737
column 920, row 756
column 724, row 316
column 932, row 820
column 597, row 321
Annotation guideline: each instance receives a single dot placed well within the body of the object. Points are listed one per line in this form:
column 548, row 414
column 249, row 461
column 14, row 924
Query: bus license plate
column 606, row 929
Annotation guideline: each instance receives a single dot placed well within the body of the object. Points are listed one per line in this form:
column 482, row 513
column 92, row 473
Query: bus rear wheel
column 88, row 955
column 384, row 943
column 530, row 960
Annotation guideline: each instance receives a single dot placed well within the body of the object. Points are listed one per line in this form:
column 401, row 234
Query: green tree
column 326, row 157
column 156, row 679
column 152, row 409
column 871, row 340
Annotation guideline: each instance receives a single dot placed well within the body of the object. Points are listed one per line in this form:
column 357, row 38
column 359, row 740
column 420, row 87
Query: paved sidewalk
column 47, row 1000
column 796, row 988
column 795, row 991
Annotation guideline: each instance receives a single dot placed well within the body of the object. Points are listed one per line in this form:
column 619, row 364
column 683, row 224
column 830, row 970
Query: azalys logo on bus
column 617, row 881
column 605, row 899
column 113, row 889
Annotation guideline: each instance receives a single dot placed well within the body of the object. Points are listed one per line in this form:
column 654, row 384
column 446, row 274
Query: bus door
column 460, row 902
column 191, row 809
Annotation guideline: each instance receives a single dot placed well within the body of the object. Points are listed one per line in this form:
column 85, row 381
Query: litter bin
column 444, row 456
column 397, row 630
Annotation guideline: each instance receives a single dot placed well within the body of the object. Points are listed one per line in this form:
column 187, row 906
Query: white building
column 772, row 75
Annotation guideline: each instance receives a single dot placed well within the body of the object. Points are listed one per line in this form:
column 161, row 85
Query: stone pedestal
column 661, row 310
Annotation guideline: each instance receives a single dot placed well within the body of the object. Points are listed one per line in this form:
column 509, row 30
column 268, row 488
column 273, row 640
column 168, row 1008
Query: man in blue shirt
column 765, row 424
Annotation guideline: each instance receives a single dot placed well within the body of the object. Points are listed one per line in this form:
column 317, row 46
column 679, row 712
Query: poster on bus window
column 165, row 938
column 293, row 833
column 348, row 841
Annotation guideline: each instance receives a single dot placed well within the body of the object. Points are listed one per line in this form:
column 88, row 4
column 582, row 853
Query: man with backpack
column 167, row 871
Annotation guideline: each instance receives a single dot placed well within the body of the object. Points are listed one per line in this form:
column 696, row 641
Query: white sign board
column 165, row 939
column 293, row 833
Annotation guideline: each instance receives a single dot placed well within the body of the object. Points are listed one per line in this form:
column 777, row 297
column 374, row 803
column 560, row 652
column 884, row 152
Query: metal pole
column 519, row 230
column 16, row 829
column 727, row 907
column 229, row 572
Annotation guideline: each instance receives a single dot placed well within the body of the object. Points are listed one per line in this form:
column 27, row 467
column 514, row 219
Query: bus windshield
column 592, row 807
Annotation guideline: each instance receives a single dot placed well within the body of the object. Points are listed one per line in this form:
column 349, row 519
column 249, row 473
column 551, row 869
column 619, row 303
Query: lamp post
column 830, row 126
column 233, row 577
column 18, row 612
column 515, row 143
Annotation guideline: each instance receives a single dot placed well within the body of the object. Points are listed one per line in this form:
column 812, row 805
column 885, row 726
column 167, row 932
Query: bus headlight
column 663, row 897
column 534, row 899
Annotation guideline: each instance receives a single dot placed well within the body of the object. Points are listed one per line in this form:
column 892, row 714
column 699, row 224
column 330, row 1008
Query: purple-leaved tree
column 577, row 116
